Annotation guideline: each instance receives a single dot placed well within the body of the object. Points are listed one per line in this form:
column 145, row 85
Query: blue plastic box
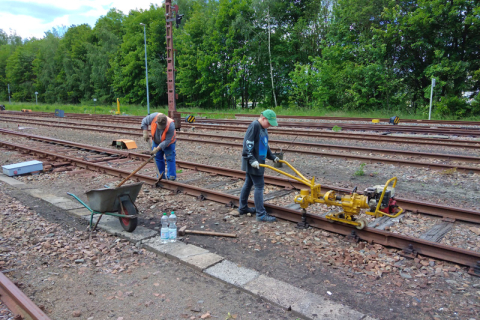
column 22, row 168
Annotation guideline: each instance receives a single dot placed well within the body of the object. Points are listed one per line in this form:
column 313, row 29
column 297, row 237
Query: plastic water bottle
column 164, row 231
column 172, row 228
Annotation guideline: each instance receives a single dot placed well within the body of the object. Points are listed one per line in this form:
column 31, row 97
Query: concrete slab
column 111, row 225
column 69, row 205
column 276, row 291
column 178, row 250
column 320, row 308
column 10, row 181
column 203, row 261
column 231, row 273
column 24, row 186
column 37, row 193
column 80, row 212
column 164, row 249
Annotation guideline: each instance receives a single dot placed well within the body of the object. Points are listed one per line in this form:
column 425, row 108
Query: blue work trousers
column 169, row 154
column 257, row 181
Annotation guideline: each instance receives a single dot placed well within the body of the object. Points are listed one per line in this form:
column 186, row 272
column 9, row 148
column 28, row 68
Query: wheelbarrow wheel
column 128, row 225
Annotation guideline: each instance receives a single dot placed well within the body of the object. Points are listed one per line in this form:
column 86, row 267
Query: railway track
column 108, row 162
column 286, row 144
column 113, row 155
column 439, row 122
column 361, row 127
column 453, row 131
column 414, row 140
column 454, row 143
column 17, row 302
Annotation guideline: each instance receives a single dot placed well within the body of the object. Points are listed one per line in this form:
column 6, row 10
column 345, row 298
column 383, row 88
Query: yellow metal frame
column 377, row 213
column 351, row 204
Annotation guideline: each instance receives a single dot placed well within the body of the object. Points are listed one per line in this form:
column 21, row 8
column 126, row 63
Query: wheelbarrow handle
column 138, row 169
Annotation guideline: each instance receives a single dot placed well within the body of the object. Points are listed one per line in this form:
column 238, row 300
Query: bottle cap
column 172, row 212
column 164, row 213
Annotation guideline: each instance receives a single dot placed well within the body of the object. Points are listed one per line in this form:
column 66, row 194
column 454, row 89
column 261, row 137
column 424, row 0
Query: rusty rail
column 17, row 302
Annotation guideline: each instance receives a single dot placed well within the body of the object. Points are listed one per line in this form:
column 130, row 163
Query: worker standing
column 255, row 151
column 162, row 131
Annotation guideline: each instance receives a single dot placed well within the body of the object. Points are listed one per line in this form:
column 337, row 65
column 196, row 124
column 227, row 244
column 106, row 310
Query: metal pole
column 9, row 94
column 146, row 66
column 431, row 96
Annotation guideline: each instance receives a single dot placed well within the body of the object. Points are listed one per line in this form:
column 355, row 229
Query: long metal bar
column 17, row 302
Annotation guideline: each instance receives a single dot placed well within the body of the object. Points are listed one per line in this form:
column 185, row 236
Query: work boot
column 171, row 178
column 266, row 218
column 249, row 210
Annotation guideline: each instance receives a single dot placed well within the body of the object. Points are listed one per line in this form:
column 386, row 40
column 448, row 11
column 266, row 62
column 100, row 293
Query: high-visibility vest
column 153, row 127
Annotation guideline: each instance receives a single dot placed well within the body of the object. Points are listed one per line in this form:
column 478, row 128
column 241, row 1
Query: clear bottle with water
column 164, row 231
column 172, row 228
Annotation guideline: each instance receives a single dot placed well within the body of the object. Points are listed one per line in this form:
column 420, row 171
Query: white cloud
column 68, row 12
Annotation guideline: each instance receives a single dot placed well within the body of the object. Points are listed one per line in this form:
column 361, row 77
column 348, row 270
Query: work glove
column 276, row 159
column 146, row 135
column 155, row 150
column 255, row 165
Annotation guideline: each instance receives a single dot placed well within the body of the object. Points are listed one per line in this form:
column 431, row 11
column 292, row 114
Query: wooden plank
column 437, row 232
column 383, row 222
column 276, row 194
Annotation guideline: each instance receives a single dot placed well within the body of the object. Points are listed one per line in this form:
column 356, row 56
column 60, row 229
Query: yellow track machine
column 378, row 200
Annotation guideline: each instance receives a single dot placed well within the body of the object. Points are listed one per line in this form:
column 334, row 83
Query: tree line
column 360, row 55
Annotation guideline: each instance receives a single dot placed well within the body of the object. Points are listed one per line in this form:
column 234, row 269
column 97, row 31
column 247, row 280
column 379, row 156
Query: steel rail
column 370, row 127
column 17, row 302
column 410, row 205
column 373, row 127
column 305, row 144
column 365, row 159
column 417, row 121
column 454, row 143
column 279, row 131
column 372, row 235
column 436, row 166
column 350, row 148
column 473, row 123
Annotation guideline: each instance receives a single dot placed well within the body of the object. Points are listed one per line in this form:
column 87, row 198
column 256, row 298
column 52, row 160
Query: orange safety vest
column 153, row 126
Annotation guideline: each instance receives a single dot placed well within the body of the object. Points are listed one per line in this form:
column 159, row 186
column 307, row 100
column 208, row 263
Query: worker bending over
column 162, row 131
column 255, row 151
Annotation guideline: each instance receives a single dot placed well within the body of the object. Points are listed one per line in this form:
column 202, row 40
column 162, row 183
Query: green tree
column 129, row 66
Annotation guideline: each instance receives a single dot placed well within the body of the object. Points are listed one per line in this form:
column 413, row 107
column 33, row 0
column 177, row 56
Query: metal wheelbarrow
column 118, row 202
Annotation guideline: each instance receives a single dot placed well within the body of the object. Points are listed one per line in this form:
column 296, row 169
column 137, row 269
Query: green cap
column 271, row 117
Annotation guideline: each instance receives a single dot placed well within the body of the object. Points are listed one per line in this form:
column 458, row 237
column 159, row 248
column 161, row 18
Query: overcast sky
column 32, row 18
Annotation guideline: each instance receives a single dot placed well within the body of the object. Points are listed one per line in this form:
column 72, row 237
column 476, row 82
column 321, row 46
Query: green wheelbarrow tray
column 118, row 202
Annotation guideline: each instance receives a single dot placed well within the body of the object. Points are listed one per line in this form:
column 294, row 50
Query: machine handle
column 302, row 179
column 377, row 209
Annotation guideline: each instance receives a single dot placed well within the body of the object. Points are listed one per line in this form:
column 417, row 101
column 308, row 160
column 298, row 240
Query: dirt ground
column 372, row 279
